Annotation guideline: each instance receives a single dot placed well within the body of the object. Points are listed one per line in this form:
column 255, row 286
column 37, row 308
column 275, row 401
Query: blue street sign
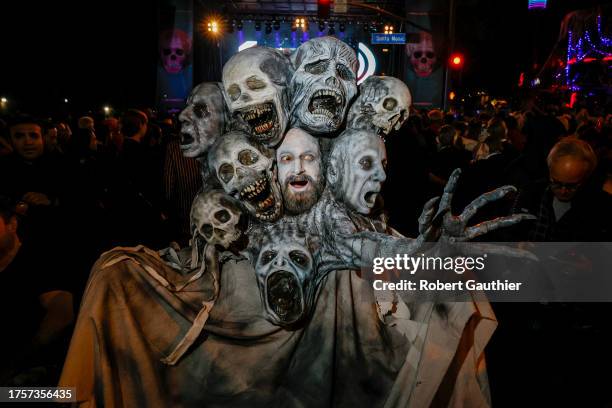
column 395, row 38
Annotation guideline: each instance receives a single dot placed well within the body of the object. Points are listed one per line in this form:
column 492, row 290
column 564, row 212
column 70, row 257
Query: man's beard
column 301, row 201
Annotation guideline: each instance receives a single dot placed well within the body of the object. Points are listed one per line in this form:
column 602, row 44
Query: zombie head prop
column 286, row 275
column 383, row 104
column 323, row 85
column 299, row 171
column 255, row 82
column 356, row 169
column 217, row 218
column 422, row 54
column 174, row 50
column 246, row 173
column 203, row 120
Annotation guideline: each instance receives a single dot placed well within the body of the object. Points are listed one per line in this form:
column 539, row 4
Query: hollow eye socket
column 248, row 157
column 267, row 257
column 344, row 72
column 226, row 172
column 316, row 68
column 366, row 163
column 222, row 216
column 389, row 103
column 234, row 92
column 201, row 110
column 255, row 83
column 299, row 258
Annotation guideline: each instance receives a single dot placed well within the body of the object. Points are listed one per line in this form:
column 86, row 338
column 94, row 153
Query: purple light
column 537, row 4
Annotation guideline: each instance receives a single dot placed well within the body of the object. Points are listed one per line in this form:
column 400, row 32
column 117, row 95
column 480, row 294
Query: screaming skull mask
column 323, row 85
column 423, row 58
column 247, row 174
column 255, row 82
column 203, row 120
column 216, row 217
column 383, row 104
column 174, row 50
column 356, row 169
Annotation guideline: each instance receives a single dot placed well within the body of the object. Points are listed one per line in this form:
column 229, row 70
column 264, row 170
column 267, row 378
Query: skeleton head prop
column 323, row 85
column 174, row 50
column 203, row 119
column 356, row 169
column 255, row 82
column 383, row 104
column 216, row 217
column 285, row 273
column 300, row 171
column 246, row 173
column 423, row 57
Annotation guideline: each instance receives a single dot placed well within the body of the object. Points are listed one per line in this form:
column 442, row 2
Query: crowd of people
column 67, row 196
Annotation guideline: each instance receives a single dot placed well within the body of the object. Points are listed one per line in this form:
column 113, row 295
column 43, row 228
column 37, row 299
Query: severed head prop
column 255, row 83
column 356, row 169
column 246, row 174
column 383, row 105
column 203, row 120
column 217, row 218
column 323, row 85
column 286, row 274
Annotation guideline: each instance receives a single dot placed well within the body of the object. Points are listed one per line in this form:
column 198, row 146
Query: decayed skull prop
column 255, row 82
column 203, row 120
column 285, row 273
column 217, row 218
column 356, row 169
column 323, row 85
column 383, row 104
column 423, row 56
column 174, row 49
column 246, row 173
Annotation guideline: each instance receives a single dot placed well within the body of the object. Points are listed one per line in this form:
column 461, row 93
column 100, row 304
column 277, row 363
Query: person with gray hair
column 570, row 205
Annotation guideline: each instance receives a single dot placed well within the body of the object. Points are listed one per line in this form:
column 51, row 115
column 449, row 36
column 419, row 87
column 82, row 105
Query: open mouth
column 259, row 194
column 326, row 102
column 299, row 183
column 262, row 119
column 284, row 296
column 370, row 198
column 186, row 139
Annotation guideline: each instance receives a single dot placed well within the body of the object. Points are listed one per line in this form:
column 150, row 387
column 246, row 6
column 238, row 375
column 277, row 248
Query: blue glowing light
column 537, row 4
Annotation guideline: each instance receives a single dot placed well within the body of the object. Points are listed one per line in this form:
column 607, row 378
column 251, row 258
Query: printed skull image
column 423, row 56
column 255, row 82
column 217, row 218
column 247, row 174
column 383, row 105
column 174, row 50
column 324, row 84
column 203, row 119
column 285, row 275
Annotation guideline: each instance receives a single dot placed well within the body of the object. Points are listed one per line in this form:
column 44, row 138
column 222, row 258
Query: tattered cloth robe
column 137, row 343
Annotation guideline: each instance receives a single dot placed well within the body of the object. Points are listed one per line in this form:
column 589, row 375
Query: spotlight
column 107, row 110
column 300, row 22
column 341, row 27
column 3, row 100
column 389, row 29
column 268, row 27
column 258, row 26
column 213, row 26
column 65, row 100
column 276, row 25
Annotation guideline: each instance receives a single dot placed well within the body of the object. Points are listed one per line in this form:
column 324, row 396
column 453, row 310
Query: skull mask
column 285, row 275
column 203, row 120
column 382, row 105
column 174, row 48
column 423, row 57
column 246, row 173
column 356, row 169
column 323, row 85
column 255, row 82
column 216, row 217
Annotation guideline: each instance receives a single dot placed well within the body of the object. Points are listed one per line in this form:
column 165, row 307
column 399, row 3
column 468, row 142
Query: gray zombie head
column 255, row 83
column 323, row 85
column 247, row 174
column 217, row 218
column 203, row 119
column 382, row 105
column 286, row 274
column 356, row 169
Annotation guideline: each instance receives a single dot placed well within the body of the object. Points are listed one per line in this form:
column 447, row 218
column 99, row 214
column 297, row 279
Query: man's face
column 27, row 140
column 567, row 175
column 299, row 171
column 8, row 235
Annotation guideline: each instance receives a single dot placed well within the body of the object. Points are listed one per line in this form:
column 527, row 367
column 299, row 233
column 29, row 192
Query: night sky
column 105, row 52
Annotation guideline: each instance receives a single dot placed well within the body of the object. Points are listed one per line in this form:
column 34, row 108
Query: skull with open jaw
column 247, row 174
column 323, row 85
column 255, row 83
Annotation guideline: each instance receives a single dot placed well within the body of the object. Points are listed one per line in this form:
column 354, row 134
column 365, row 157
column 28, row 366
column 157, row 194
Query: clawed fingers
column 483, row 200
column 479, row 249
column 447, row 196
column 501, row 222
